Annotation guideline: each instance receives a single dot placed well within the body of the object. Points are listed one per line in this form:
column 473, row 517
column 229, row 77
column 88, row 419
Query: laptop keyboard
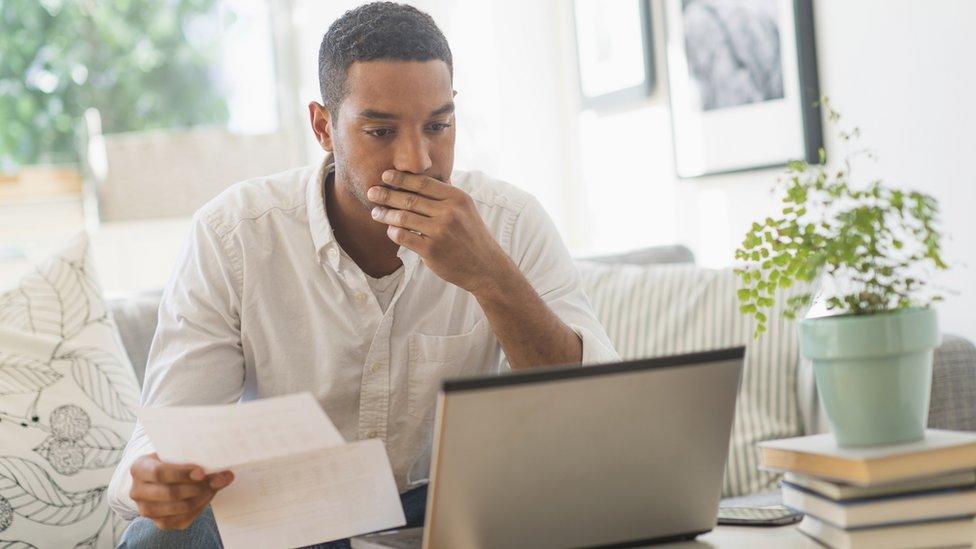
column 408, row 538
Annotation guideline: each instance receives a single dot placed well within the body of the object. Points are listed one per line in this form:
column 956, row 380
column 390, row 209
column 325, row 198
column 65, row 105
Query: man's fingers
column 220, row 480
column 172, row 495
column 168, row 473
column 402, row 200
column 420, row 184
column 403, row 218
column 161, row 509
column 409, row 240
column 148, row 491
column 153, row 470
column 183, row 521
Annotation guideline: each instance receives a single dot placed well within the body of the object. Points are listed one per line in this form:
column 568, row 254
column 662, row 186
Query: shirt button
column 371, row 434
column 333, row 254
column 374, row 367
column 360, row 296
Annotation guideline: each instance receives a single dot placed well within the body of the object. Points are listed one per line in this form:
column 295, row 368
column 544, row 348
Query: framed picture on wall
column 743, row 84
column 614, row 51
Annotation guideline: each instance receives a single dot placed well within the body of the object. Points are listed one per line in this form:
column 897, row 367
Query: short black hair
column 379, row 30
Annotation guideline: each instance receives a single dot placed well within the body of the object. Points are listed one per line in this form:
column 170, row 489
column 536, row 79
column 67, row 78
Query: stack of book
column 921, row 494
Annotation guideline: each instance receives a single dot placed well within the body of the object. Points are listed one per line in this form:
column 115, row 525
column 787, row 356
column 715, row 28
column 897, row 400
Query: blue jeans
column 142, row 533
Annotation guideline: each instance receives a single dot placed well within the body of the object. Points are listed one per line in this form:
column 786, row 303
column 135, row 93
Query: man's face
column 396, row 115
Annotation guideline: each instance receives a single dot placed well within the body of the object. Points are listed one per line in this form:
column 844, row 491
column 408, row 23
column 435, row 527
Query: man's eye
column 380, row 132
column 438, row 126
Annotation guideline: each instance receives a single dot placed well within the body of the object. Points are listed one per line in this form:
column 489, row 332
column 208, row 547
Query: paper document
column 218, row 438
column 296, row 480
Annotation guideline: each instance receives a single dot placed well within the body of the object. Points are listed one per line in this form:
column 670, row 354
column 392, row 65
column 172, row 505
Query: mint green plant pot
column 873, row 373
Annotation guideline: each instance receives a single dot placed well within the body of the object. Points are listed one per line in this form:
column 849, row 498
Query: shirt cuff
column 595, row 349
column 121, row 483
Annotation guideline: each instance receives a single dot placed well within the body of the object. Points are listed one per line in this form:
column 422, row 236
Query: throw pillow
column 671, row 309
column 67, row 399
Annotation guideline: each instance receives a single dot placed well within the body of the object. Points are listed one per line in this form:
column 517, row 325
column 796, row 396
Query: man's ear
column 321, row 125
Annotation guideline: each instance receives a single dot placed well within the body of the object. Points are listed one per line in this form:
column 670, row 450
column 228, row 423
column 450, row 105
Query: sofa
column 953, row 399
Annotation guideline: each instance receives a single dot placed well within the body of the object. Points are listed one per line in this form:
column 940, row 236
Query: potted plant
column 868, row 251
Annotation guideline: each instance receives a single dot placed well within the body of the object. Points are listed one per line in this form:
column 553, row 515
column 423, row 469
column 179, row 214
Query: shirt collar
column 318, row 220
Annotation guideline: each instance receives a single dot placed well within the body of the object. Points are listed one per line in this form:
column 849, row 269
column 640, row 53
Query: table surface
column 735, row 537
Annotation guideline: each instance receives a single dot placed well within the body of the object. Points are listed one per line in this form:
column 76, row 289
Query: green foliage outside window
column 141, row 63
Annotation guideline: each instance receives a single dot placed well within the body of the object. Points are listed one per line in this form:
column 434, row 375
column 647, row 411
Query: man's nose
column 412, row 154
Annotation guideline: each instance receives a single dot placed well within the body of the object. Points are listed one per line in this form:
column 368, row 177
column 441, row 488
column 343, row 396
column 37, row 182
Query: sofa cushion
column 671, row 309
column 953, row 385
column 67, row 399
column 675, row 253
column 136, row 315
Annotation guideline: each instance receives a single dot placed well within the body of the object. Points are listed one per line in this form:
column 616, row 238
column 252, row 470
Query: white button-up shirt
column 264, row 302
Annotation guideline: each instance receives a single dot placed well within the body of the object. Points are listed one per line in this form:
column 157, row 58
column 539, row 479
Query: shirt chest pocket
column 435, row 358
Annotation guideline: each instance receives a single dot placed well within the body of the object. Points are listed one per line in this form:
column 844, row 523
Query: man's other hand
column 172, row 495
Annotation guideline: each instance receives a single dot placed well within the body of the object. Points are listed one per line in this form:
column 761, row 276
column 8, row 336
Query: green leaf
column 796, row 166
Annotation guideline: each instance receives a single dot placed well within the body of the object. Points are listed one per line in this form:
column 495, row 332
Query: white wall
column 904, row 71
column 901, row 70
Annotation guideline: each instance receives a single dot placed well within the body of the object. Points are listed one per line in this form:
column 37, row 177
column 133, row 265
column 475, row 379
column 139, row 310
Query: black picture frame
column 806, row 118
column 626, row 96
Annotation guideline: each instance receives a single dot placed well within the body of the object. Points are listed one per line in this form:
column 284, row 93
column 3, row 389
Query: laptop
column 613, row 455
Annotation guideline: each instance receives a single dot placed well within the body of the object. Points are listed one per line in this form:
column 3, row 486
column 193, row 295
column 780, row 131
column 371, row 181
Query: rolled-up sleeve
column 196, row 355
column 542, row 257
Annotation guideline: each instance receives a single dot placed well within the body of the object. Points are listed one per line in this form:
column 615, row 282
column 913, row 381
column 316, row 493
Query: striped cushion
column 669, row 309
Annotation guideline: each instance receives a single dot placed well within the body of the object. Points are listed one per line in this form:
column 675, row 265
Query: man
column 364, row 280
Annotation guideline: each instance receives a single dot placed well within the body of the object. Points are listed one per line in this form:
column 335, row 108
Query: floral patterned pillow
column 67, row 399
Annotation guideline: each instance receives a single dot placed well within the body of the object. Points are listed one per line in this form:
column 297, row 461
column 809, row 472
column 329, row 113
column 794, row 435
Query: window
column 144, row 64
